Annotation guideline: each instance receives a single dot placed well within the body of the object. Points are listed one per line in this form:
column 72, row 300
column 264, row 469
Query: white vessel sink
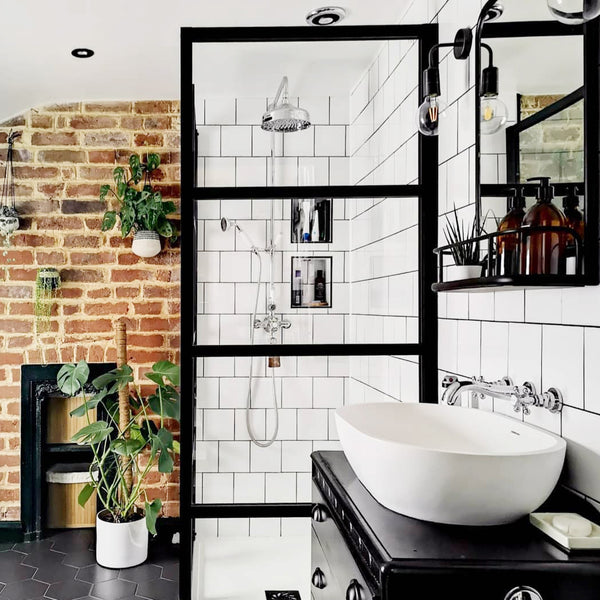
column 447, row 464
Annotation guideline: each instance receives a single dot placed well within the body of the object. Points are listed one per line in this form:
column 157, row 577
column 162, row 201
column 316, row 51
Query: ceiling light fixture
column 327, row 15
column 82, row 52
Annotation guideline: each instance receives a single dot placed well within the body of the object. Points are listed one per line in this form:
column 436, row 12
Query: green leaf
column 134, row 161
column 168, row 207
column 153, row 162
column 114, row 380
column 72, row 377
column 127, row 447
column 89, row 405
column 169, row 406
column 165, row 368
column 164, row 228
column 94, row 433
column 162, row 442
column 104, row 189
column 85, row 494
column 119, row 175
column 176, row 447
column 109, row 220
column 152, row 511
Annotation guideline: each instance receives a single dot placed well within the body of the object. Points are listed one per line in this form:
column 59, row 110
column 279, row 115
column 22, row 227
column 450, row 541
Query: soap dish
column 543, row 521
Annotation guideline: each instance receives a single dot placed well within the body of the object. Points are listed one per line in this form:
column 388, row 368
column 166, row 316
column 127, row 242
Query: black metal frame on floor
column 426, row 192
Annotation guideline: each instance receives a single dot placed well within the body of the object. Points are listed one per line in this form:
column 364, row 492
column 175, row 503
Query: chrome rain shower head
column 283, row 117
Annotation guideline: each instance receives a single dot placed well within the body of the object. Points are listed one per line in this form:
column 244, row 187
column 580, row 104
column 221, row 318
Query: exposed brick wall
column 65, row 154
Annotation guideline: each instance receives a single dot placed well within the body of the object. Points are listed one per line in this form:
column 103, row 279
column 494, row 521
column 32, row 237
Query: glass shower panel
column 231, row 469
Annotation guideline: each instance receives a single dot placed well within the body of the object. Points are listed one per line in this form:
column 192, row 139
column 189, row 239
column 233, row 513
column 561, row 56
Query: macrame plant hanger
column 9, row 218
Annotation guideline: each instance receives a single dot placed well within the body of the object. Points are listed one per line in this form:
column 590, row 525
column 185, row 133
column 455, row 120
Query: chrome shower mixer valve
column 272, row 324
column 523, row 396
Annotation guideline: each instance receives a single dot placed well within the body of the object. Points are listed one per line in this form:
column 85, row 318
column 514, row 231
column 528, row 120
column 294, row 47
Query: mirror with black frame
column 532, row 146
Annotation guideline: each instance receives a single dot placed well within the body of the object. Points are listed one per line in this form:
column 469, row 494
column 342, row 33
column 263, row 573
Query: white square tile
column 296, row 456
column 234, row 527
column 562, row 364
column 220, row 111
column 235, row 266
column 208, row 266
column 303, row 487
column 249, row 487
column 234, row 457
column 217, row 488
column 249, row 111
column 469, row 348
column 257, row 422
column 301, row 143
column 207, row 329
column 207, row 457
column 261, row 142
column 235, row 209
column 218, row 424
column 218, row 367
column 219, row 298
column 592, row 372
column 236, row 140
column 312, row 366
column 265, row 527
column 312, row 424
column 339, row 110
column 287, row 423
column 207, row 392
column 494, row 350
column 448, row 345
column 313, row 171
column 219, row 172
column 328, row 329
column 266, row 459
column 509, row 306
column 330, row 141
column 235, row 329
column 251, row 172
column 524, row 354
column 543, row 306
column 280, row 487
column 296, row 392
column 295, row 527
column 328, row 392
column 233, row 392
column 209, row 140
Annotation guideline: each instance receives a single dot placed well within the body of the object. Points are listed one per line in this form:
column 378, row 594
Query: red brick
column 102, row 156
column 127, row 275
column 101, row 293
column 157, row 122
column 83, row 190
column 149, row 139
column 16, row 257
column 42, row 121
column 96, row 354
column 70, row 293
column 61, row 156
column 88, row 122
column 96, row 173
column 54, row 139
column 20, row 308
column 128, row 292
column 31, row 172
column 58, row 223
column 128, row 259
column 92, row 258
column 152, row 106
column 8, row 494
column 146, row 356
column 15, row 291
column 82, row 241
column 132, row 122
column 32, row 239
column 51, row 189
column 63, row 107
column 90, row 326
column 114, row 139
column 118, row 308
column 16, row 274
column 145, row 341
column 107, row 107
column 44, row 258
column 14, row 326
column 155, row 324
column 155, row 291
column 148, row 308
column 14, row 477
column 81, row 275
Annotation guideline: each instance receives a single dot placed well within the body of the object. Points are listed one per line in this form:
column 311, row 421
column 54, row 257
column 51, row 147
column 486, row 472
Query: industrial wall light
column 432, row 109
column 574, row 12
column 493, row 114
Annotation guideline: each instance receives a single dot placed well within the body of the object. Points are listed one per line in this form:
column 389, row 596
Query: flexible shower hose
column 251, row 433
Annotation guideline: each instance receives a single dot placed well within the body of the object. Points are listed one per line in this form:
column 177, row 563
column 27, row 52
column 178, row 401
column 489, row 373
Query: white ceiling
column 136, row 44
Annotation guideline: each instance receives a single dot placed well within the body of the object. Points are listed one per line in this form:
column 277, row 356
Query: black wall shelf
column 507, row 284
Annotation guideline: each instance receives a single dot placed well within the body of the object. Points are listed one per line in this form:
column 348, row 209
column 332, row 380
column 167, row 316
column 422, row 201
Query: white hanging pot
column 121, row 545
column 146, row 244
column 460, row 272
column 9, row 220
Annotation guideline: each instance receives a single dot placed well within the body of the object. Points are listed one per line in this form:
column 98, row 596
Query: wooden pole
column 124, row 408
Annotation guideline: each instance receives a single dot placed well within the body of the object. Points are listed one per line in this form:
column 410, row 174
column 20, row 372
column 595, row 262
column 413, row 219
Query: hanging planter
column 47, row 282
column 9, row 218
column 141, row 208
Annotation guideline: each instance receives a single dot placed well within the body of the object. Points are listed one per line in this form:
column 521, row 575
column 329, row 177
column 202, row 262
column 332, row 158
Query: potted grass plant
column 124, row 455
column 141, row 207
column 464, row 250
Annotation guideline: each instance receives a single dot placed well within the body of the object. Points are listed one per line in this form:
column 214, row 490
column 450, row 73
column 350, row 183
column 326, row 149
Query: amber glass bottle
column 543, row 253
column 576, row 222
column 508, row 258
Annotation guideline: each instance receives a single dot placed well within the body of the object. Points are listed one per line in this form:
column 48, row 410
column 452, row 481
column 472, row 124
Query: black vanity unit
column 363, row 551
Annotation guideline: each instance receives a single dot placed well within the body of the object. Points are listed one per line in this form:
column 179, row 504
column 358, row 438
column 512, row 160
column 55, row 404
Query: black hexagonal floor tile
column 11, row 557
column 171, row 570
column 160, row 589
column 73, row 540
column 68, row 590
column 29, row 547
column 23, row 590
column 115, row 589
column 141, row 573
column 55, row 573
column 11, row 572
column 82, row 558
column 96, row 574
column 43, row 558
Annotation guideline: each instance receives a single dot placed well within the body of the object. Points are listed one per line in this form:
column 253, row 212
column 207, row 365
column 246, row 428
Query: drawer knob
column 354, row 591
column 318, row 579
column 523, row 592
column 319, row 514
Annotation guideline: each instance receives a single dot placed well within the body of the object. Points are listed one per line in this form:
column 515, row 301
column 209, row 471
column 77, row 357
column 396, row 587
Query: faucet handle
column 448, row 381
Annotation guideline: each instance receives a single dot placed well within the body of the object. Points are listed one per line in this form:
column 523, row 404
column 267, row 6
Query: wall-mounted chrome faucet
column 272, row 324
column 524, row 396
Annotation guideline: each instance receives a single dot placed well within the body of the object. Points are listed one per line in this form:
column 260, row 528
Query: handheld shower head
column 227, row 224
column 283, row 117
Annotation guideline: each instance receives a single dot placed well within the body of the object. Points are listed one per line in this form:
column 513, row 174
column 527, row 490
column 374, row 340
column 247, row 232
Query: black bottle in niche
column 320, row 295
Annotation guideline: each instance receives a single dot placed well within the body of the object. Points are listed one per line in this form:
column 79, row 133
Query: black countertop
column 400, row 538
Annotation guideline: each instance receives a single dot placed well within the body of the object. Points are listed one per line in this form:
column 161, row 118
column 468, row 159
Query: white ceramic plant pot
column 8, row 224
column 459, row 272
column 146, row 244
column 121, row 545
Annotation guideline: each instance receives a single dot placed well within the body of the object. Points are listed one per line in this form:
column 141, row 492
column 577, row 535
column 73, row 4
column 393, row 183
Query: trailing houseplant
column 141, row 207
column 122, row 526
column 47, row 282
column 464, row 250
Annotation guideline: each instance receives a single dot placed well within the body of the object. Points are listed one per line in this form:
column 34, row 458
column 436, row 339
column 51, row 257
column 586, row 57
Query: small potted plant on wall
column 141, row 207
column 465, row 251
column 123, row 457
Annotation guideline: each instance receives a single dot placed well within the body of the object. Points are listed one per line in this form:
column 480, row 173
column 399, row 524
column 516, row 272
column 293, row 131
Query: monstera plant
column 141, row 208
column 143, row 444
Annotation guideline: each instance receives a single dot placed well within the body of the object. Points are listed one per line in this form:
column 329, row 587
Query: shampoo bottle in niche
column 320, row 293
column 297, row 288
column 508, row 259
column 543, row 253
column 576, row 222
column 306, row 221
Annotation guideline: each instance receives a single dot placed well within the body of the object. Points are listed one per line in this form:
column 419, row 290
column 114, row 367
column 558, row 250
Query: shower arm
column 282, row 93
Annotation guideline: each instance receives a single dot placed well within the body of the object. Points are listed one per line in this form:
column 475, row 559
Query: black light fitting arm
column 489, row 75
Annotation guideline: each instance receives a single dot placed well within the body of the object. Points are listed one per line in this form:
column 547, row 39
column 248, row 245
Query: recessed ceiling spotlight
column 327, row 15
column 82, row 52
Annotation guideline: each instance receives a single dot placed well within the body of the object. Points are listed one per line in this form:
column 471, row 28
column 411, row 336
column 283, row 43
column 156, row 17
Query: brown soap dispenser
column 576, row 222
column 543, row 253
column 508, row 258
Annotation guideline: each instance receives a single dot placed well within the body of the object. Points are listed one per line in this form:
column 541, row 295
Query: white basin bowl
column 447, row 464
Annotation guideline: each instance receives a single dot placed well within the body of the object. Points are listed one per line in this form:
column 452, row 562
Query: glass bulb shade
column 430, row 115
column 493, row 116
column 574, row 12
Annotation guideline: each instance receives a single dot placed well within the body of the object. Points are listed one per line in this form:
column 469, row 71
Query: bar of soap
column 572, row 526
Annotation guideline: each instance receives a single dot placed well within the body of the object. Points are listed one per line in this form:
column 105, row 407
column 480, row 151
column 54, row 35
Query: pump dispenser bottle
column 576, row 222
column 543, row 253
column 508, row 246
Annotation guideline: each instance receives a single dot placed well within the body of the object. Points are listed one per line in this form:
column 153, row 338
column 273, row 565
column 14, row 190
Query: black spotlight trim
column 82, row 52
column 326, row 19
